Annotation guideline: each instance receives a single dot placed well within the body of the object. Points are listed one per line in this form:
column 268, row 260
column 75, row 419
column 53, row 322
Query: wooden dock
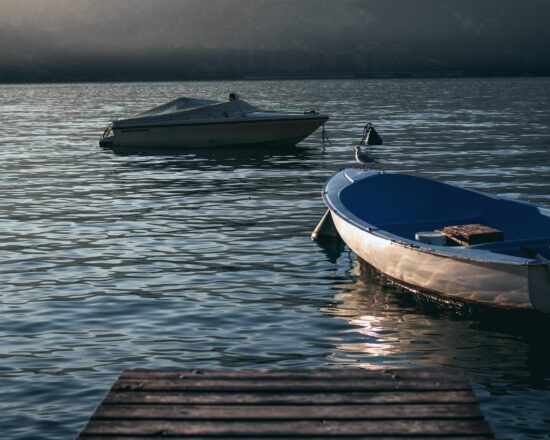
column 335, row 404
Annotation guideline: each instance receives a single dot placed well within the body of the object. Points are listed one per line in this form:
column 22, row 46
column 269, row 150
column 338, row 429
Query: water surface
column 112, row 261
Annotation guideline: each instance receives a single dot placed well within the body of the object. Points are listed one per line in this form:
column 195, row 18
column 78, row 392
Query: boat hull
column 223, row 134
column 483, row 283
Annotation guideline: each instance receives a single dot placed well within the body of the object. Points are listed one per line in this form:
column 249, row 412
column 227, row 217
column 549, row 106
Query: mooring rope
column 325, row 137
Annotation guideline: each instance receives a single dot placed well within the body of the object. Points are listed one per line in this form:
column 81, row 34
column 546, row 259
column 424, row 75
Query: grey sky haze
column 171, row 39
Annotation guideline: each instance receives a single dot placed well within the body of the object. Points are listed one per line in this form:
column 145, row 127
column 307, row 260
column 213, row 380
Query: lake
column 112, row 261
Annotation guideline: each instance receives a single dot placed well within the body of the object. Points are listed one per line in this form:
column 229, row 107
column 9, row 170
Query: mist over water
column 204, row 259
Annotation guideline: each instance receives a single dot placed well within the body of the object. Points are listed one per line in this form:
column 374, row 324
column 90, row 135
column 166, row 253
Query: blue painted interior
column 404, row 205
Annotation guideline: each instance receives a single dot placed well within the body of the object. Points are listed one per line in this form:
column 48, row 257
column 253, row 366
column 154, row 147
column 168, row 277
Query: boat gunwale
column 216, row 121
column 459, row 253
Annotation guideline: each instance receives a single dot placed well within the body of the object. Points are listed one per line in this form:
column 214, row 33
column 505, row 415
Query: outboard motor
column 234, row 96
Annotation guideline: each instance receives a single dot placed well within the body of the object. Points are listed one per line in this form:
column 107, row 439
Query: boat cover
column 186, row 109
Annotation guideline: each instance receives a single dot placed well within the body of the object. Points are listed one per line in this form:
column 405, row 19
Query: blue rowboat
column 389, row 220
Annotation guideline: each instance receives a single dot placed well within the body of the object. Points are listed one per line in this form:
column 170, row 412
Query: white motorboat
column 197, row 123
column 438, row 238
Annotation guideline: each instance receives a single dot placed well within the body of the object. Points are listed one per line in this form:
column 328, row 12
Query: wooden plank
column 326, row 412
column 332, row 437
column 288, row 428
column 393, row 373
column 471, row 234
column 344, row 385
column 299, row 398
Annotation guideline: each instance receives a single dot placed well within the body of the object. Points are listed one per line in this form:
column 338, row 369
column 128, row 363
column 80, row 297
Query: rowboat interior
column 403, row 205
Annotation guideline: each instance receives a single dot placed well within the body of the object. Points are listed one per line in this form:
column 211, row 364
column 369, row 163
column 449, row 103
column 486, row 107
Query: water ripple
column 203, row 259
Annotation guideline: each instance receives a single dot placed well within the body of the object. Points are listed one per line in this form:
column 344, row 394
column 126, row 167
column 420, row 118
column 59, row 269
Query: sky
column 73, row 40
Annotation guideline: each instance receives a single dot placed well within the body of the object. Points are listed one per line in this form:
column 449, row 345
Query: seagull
column 362, row 156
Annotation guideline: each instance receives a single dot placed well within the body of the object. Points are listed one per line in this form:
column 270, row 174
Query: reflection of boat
column 379, row 216
column 388, row 329
column 195, row 123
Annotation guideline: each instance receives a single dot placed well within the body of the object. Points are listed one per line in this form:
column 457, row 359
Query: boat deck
column 351, row 403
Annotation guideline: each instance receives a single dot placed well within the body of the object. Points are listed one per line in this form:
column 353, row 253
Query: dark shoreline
column 296, row 77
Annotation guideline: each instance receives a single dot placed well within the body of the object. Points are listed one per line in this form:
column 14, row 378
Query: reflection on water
column 503, row 352
column 229, row 160
column 203, row 259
